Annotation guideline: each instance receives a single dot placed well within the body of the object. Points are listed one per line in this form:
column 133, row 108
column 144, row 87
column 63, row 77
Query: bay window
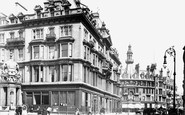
column 36, row 52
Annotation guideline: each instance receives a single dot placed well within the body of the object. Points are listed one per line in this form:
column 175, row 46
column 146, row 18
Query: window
column 29, row 98
column 11, row 53
column 1, row 38
column 71, row 98
column 12, row 35
column 2, row 54
column 66, row 30
column 38, row 52
column 63, row 97
column 41, row 52
column 87, row 53
column 38, row 34
column 45, row 98
column 20, row 34
column 66, row 72
column 85, row 34
column 36, row 73
column 36, row 98
column 65, row 50
column 20, row 51
column 51, row 30
column 3, row 21
column 55, row 98
column 52, row 73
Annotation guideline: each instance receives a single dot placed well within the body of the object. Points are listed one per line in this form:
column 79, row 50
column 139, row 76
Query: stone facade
column 66, row 58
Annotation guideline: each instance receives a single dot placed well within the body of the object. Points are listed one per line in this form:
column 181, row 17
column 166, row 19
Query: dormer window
column 3, row 21
column 12, row 18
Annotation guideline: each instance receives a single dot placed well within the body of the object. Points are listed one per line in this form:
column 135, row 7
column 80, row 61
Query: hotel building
column 65, row 57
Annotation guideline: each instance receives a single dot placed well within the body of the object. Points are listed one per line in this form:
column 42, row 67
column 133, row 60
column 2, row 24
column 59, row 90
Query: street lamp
column 183, row 97
column 171, row 52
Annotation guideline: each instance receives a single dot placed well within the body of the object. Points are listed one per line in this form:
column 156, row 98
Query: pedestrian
column 77, row 112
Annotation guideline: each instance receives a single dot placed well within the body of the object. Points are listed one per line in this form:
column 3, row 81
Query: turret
column 129, row 59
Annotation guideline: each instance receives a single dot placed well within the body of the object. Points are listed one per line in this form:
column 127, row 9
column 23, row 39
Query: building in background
column 144, row 88
column 65, row 56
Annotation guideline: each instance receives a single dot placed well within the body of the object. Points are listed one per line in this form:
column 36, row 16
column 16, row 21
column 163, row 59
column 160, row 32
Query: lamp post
column 171, row 52
column 183, row 97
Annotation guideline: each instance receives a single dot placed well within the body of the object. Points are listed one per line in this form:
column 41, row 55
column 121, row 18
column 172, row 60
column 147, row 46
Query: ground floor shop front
column 66, row 98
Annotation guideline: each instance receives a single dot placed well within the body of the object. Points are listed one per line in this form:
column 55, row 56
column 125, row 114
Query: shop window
column 63, row 98
column 29, row 98
column 45, row 98
column 71, row 98
column 55, row 98
column 36, row 99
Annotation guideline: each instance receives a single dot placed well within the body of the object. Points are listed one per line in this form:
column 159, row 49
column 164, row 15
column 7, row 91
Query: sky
column 149, row 26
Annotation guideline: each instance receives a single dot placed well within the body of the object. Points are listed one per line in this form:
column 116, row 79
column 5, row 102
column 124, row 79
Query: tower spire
column 129, row 59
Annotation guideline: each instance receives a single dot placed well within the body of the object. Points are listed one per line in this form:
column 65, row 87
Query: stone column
column 19, row 97
column 1, row 97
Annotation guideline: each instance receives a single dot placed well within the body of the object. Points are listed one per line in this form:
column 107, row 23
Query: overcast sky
column 150, row 26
